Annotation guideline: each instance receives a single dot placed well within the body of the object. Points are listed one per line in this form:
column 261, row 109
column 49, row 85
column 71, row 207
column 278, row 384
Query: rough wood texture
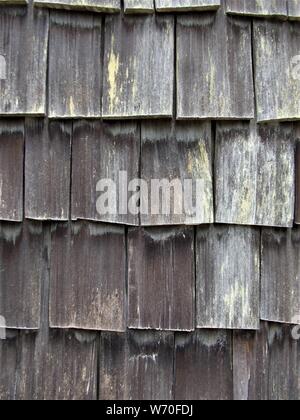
column 102, row 151
column 8, row 365
column 11, row 170
column 107, row 6
column 75, row 70
column 186, row 5
column 294, row 9
column 138, row 67
column 23, row 263
column 177, row 153
column 266, row 364
column 23, row 43
column 276, row 77
column 4, row 2
column 261, row 8
column 136, row 366
column 214, row 63
column 228, row 277
column 254, row 174
column 88, row 277
column 47, row 170
column 161, row 279
column 138, row 6
column 204, row 366
column 280, row 294
column 297, row 162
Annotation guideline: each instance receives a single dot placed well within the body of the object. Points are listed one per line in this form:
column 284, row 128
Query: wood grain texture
column 107, row 6
column 214, row 67
column 23, row 262
column 203, row 369
column 177, row 153
column 23, row 44
column 294, row 9
column 228, row 277
column 138, row 6
column 255, row 174
column 88, row 277
column 280, row 279
column 8, row 365
column 161, row 279
column 137, row 365
column 47, row 169
column 297, row 163
column 266, row 364
column 186, row 5
column 138, row 67
column 102, row 151
column 276, row 79
column 11, row 170
column 75, row 70
column 260, row 8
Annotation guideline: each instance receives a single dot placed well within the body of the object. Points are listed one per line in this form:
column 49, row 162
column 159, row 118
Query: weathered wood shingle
column 261, row 8
column 75, row 70
column 161, row 281
column 186, row 5
column 107, row 6
column 136, row 366
column 23, row 44
column 228, row 277
column 294, row 9
column 11, row 170
column 255, row 174
column 214, row 67
column 88, row 277
column 47, row 169
column 138, row 6
column 179, row 155
column 138, row 67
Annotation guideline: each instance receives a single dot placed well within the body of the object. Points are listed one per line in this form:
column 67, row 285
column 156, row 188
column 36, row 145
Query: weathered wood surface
column 4, row 2
column 88, row 277
column 11, row 170
column 203, row 369
column 23, row 263
column 186, row 5
column 266, row 364
column 47, row 169
column 280, row 278
column 137, row 365
column 138, row 67
column 297, row 159
column 260, row 8
column 294, row 9
column 228, row 277
column 177, row 153
column 161, row 281
column 138, row 6
column 8, row 365
column 214, row 63
column 107, row 6
column 276, row 47
column 255, row 174
column 75, row 70
column 23, row 44
column 101, row 151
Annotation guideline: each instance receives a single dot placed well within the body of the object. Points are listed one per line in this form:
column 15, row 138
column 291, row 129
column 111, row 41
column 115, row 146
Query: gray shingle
column 138, row 6
column 294, row 9
column 107, row 6
column 186, row 5
column 261, row 8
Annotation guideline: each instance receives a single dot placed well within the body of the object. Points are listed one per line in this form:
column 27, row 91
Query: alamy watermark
column 2, row 328
column 3, row 70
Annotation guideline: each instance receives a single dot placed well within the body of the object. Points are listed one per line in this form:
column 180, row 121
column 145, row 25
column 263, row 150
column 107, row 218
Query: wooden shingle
column 47, row 169
column 258, row 8
column 177, row 154
column 8, row 365
column 23, row 45
column 255, row 174
column 280, row 279
column 75, row 70
column 276, row 50
column 161, row 283
column 186, row 5
column 88, row 277
column 294, row 9
column 23, row 262
column 228, row 277
column 138, row 67
column 214, row 67
column 104, row 151
column 137, row 365
column 297, row 162
column 11, row 175
column 138, row 6
column 107, row 6
column 203, row 368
